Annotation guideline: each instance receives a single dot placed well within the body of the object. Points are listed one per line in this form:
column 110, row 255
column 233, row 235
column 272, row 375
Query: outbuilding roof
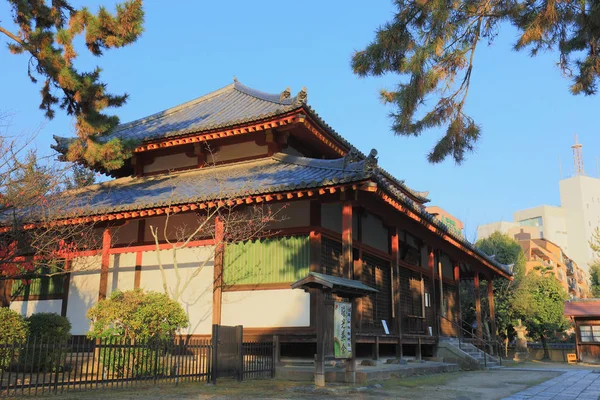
column 582, row 308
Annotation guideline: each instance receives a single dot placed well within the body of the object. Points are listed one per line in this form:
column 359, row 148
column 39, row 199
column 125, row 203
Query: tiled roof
column 582, row 308
column 231, row 105
column 336, row 283
column 279, row 173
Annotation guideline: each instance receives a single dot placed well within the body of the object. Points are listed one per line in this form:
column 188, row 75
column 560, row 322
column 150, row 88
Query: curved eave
column 420, row 215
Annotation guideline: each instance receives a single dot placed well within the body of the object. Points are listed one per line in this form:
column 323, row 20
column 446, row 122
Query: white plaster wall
column 266, row 308
column 196, row 299
column 26, row 308
column 168, row 162
column 121, row 273
column 83, row 292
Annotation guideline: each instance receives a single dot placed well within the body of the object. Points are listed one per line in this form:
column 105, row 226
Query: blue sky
column 190, row 48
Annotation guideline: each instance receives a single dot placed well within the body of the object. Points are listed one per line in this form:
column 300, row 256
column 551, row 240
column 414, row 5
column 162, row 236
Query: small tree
column 48, row 337
column 13, row 329
column 540, row 302
column 140, row 320
column 507, row 251
column 136, row 315
column 595, row 267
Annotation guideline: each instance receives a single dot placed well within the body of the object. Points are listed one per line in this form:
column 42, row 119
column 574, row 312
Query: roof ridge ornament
column 235, row 80
column 302, row 96
column 285, row 94
column 371, row 161
column 351, row 157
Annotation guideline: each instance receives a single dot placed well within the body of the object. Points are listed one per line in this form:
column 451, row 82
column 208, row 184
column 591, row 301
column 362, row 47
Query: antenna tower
column 577, row 157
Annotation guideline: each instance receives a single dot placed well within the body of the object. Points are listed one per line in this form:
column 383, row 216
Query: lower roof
column 582, row 308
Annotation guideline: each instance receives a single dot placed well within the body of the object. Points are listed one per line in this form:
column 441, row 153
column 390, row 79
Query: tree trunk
column 545, row 345
column 506, row 343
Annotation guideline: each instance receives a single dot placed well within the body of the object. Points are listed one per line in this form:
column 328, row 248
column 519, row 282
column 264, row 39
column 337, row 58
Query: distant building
column 455, row 225
column 570, row 225
column 544, row 255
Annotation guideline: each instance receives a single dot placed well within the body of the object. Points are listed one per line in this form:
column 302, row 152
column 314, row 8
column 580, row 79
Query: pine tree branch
column 12, row 36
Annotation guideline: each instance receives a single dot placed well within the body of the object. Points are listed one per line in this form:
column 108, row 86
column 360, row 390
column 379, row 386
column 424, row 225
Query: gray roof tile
column 231, row 105
column 275, row 174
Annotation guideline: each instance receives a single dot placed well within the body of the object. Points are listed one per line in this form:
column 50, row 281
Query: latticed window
column 47, row 283
column 331, row 257
column 410, row 292
column 377, row 274
column 589, row 333
column 267, row 260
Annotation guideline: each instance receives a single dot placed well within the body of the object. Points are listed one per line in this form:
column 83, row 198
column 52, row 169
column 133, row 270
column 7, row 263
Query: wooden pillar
column 104, row 263
column 440, row 301
column 137, row 278
column 395, row 253
column 320, row 330
column 66, row 283
column 5, row 292
column 490, row 287
column 218, row 271
column 347, row 258
column 315, row 252
column 431, row 266
column 478, row 306
column 458, row 307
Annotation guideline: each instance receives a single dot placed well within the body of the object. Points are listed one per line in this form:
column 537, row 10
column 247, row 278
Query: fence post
column 239, row 338
column 275, row 359
column 215, row 345
column 156, row 362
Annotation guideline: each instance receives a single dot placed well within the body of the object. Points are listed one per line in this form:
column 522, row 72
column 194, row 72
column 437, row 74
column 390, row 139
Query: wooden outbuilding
column 585, row 313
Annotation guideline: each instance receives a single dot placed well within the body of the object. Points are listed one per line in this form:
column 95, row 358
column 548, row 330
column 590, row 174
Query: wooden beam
column 218, row 271
column 478, row 306
column 104, row 262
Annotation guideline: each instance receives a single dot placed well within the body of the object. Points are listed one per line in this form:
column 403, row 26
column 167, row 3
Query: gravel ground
column 478, row 385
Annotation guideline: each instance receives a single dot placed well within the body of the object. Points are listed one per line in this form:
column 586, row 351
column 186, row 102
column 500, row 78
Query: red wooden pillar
column 218, row 271
column 395, row 253
column 137, row 277
column 478, row 306
column 347, row 258
column 315, row 253
column 104, row 262
column 490, row 287
column 458, row 307
column 5, row 292
column 348, row 271
column 432, row 267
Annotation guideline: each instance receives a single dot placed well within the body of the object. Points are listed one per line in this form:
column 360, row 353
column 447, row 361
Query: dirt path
column 479, row 385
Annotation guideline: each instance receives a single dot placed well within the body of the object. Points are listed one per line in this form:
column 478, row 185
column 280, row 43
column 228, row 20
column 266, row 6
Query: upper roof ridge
column 270, row 97
column 174, row 109
column 337, row 164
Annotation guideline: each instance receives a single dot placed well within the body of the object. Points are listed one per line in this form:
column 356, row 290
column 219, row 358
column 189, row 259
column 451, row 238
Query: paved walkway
column 581, row 384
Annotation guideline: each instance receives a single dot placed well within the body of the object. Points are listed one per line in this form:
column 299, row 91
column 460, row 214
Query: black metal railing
column 482, row 342
column 38, row 366
column 46, row 365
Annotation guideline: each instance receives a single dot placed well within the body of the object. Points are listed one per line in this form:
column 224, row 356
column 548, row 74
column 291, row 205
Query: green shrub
column 13, row 331
column 146, row 318
column 47, row 347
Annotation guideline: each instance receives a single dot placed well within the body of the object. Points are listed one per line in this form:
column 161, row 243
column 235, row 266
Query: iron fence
column 45, row 365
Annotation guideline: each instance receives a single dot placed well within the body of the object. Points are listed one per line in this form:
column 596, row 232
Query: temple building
column 343, row 217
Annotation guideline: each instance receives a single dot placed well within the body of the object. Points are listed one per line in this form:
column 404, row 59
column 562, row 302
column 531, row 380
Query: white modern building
column 570, row 225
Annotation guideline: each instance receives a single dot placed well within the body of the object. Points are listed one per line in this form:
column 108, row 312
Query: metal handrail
column 481, row 342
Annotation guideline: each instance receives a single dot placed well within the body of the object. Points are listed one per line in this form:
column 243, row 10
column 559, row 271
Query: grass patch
column 419, row 381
